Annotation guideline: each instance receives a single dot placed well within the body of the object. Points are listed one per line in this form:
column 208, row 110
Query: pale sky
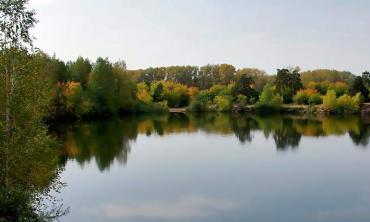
column 266, row 34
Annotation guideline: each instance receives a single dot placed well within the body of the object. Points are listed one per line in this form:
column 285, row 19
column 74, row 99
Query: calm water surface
column 217, row 167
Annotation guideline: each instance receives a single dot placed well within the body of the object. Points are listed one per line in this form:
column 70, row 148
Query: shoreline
column 285, row 109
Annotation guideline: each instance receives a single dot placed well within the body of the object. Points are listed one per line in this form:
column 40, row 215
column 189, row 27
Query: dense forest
column 82, row 88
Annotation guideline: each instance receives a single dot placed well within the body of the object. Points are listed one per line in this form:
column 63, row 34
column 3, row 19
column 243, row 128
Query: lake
column 217, row 167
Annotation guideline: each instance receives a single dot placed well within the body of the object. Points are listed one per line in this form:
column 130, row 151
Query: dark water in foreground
column 217, row 168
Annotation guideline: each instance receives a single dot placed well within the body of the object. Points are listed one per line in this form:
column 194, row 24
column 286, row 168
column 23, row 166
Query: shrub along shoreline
column 270, row 102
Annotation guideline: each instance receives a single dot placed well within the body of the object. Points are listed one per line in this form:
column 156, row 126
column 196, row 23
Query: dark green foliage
column 260, row 78
column 287, row 82
column 158, row 93
column 152, row 74
column 366, row 78
column 79, row 71
column 243, row 86
column 301, row 98
column 103, row 87
column 125, row 97
column 14, row 205
column 58, row 70
column 315, row 99
column 358, row 86
column 182, row 74
column 200, row 102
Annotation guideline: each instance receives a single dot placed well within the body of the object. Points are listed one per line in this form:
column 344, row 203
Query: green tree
column 227, row 73
column 366, row 78
column 157, row 92
column 182, row 74
column 259, row 77
column 357, row 86
column 58, row 70
column 268, row 101
column 287, row 82
column 243, row 86
column 126, row 88
column 207, row 76
column 152, row 74
column 102, row 87
column 79, row 70
column 332, row 76
column 28, row 164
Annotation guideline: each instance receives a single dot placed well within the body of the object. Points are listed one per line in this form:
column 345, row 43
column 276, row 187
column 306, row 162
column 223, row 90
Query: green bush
column 223, row 103
column 342, row 105
column 219, row 90
column 269, row 101
column 358, row 99
column 330, row 101
column 160, row 106
column 315, row 99
column 200, row 102
column 152, row 107
column 301, row 97
column 242, row 100
column 345, row 104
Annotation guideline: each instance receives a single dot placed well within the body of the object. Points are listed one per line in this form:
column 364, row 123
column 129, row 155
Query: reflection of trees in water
column 269, row 124
column 308, row 127
column 360, row 137
column 287, row 136
column 282, row 130
column 242, row 127
column 106, row 141
column 341, row 125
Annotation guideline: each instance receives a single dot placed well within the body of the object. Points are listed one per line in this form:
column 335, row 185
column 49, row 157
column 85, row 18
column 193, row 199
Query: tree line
column 82, row 88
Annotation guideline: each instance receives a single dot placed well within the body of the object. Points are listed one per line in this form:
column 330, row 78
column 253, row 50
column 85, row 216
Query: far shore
column 285, row 108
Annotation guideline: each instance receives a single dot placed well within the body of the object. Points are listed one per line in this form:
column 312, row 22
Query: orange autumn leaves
column 74, row 97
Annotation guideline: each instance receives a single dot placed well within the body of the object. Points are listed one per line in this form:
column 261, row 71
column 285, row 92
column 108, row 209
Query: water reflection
column 104, row 141
column 186, row 207
column 109, row 141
